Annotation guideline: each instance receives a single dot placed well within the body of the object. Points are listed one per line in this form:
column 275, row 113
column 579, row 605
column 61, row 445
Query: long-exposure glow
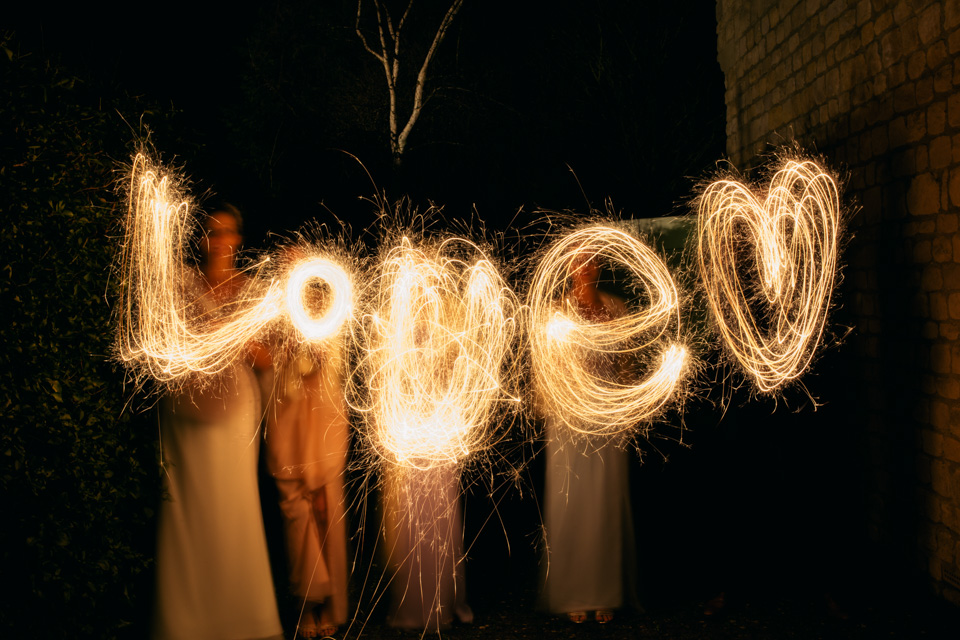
column 435, row 338
column 586, row 370
column 768, row 263
column 339, row 307
column 436, row 344
column 432, row 333
column 164, row 330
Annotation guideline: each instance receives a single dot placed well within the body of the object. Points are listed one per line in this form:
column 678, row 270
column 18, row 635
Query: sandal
column 577, row 617
column 307, row 627
column 325, row 628
column 603, row 616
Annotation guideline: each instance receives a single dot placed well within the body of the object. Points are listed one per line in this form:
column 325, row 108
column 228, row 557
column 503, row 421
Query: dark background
column 533, row 104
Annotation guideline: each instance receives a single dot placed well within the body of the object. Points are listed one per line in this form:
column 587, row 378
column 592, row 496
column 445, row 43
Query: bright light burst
column 164, row 330
column 338, row 308
column 568, row 351
column 772, row 318
column 436, row 340
column 436, row 352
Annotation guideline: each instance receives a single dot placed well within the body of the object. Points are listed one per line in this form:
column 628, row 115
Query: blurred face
column 585, row 270
column 221, row 236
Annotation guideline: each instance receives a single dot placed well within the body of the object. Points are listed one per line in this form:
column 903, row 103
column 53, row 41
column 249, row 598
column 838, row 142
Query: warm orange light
column 582, row 367
column 163, row 332
column 768, row 261
column 435, row 343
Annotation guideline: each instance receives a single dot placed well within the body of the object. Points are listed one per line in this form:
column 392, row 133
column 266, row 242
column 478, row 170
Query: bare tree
column 388, row 54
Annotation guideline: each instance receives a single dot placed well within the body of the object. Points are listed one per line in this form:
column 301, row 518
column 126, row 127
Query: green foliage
column 78, row 476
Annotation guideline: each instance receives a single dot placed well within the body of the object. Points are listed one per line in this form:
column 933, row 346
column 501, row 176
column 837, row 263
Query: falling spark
column 770, row 321
column 424, row 542
column 436, row 346
column 581, row 366
column 164, row 332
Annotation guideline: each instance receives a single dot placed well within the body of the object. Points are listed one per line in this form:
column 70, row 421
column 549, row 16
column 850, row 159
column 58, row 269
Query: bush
column 79, row 477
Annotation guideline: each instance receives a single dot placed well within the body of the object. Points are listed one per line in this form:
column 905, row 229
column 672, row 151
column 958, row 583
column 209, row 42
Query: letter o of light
column 340, row 305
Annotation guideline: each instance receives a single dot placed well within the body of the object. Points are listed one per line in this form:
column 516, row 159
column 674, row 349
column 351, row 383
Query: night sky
column 552, row 105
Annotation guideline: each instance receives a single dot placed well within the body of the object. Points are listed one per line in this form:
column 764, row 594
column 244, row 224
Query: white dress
column 423, row 530
column 589, row 563
column 589, row 528
column 213, row 572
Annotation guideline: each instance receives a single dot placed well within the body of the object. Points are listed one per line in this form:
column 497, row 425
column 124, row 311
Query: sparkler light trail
column 768, row 263
column 436, row 344
column 339, row 307
column 565, row 346
column 459, row 316
column 163, row 331
column 424, row 542
column 436, row 353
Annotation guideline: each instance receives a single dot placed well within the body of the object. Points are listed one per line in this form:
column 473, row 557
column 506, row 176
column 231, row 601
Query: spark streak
column 579, row 365
column 164, row 331
column 436, row 350
column 339, row 307
column 789, row 236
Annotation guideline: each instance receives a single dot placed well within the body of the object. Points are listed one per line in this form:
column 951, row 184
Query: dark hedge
column 79, row 475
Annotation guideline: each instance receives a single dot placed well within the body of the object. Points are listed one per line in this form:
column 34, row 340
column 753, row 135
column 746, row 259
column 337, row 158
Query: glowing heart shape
column 768, row 263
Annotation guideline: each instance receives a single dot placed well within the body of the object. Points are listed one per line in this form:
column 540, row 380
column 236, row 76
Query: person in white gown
column 589, row 560
column 423, row 530
column 213, row 571
column 307, row 442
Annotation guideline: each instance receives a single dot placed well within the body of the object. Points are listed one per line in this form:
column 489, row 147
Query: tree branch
column 363, row 38
column 390, row 35
column 422, row 75
column 391, row 65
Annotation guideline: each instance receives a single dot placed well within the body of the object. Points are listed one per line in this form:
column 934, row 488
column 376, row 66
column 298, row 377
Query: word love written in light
column 435, row 334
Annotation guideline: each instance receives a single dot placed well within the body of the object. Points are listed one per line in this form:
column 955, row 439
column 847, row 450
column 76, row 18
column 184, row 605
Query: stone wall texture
column 874, row 86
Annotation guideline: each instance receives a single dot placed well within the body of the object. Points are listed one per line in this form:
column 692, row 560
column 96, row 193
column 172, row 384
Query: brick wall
column 874, row 86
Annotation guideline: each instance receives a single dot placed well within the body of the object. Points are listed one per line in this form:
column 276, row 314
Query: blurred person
column 213, row 571
column 423, row 527
column 589, row 558
column 307, row 442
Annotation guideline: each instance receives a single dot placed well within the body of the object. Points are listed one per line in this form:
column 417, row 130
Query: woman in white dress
column 589, row 561
column 213, row 572
column 307, row 441
column 423, row 530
